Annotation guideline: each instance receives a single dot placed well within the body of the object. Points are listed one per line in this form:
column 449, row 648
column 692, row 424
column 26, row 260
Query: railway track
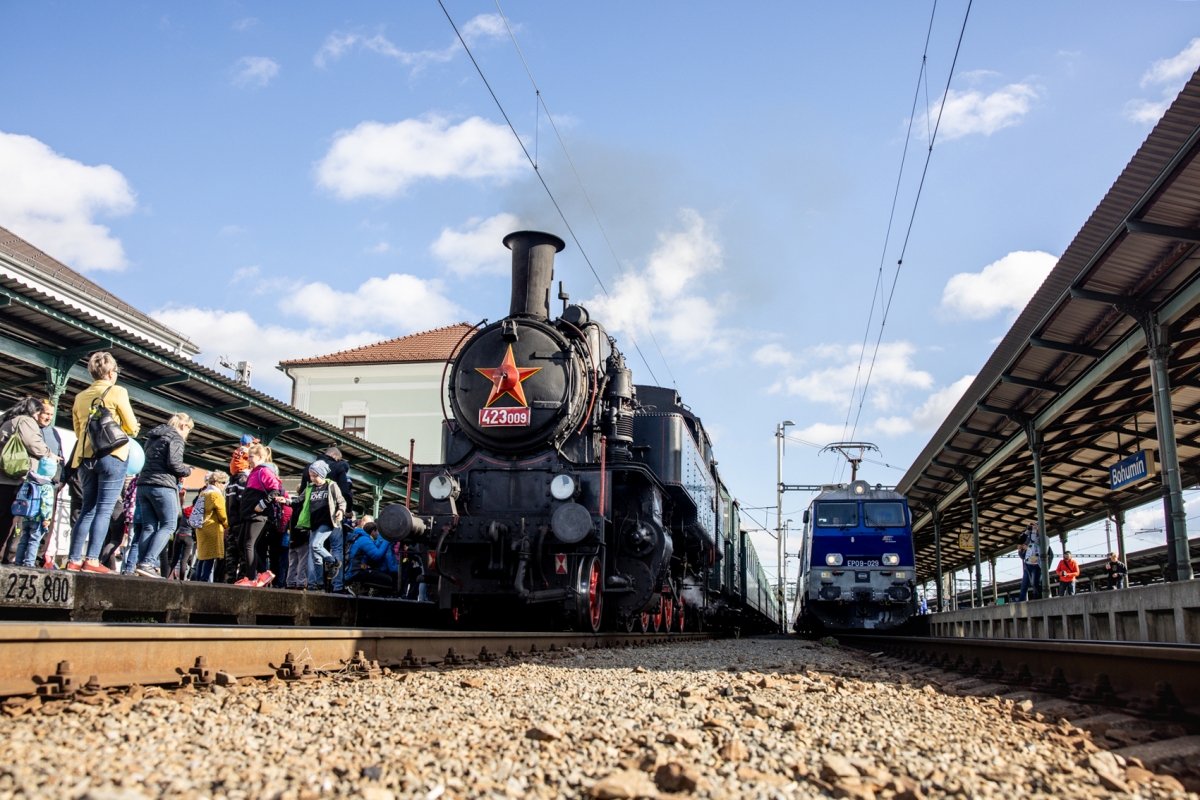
column 56, row 659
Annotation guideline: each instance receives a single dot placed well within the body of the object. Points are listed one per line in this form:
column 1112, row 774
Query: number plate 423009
column 36, row 588
column 503, row 417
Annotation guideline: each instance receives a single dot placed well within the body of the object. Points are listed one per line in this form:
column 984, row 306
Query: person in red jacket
column 1068, row 571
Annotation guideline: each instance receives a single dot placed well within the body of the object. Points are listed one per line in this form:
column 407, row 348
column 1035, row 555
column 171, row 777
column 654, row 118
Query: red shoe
column 264, row 579
column 74, row 566
column 96, row 567
column 244, row 582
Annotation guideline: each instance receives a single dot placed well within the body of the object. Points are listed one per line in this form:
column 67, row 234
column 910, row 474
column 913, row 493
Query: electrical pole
column 779, row 534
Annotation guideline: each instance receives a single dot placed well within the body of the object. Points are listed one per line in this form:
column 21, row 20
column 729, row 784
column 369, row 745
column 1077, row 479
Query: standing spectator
column 924, row 608
column 158, row 491
column 210, row 536
column 1031, row 581
column 101, row 475
column 45, row 418
column 226, row 570
column 1116, row 571
column 410, row 571
column 240, row 460
column 327, row 507
column 20, row 420
column 1068, row 571
column 35, row 525
column 177, row 559
column 262, row 489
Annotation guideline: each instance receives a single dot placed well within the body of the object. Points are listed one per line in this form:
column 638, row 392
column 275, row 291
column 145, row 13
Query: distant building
column 387, row 393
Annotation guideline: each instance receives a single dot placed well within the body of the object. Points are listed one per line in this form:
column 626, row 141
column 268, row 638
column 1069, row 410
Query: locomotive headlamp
column 891, row 559
column 562, row 487
column 833, row 559
column 443, row 486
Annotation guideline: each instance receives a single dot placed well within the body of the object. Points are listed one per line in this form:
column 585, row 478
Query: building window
column 355, row 425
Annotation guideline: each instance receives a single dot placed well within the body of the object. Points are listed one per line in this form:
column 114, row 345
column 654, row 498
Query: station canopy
column 1075, row 367
column 52, row 318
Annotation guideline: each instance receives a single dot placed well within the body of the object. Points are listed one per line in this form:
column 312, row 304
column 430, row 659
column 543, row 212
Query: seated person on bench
column 371, row 561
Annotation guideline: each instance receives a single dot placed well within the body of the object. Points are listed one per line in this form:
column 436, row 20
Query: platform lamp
column 779, row 434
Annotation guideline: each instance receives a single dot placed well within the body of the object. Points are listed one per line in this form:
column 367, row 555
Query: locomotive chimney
column 532, row 271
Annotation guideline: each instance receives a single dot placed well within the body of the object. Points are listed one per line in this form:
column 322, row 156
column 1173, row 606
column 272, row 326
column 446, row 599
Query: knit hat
column 319, row 468
column 248, row 439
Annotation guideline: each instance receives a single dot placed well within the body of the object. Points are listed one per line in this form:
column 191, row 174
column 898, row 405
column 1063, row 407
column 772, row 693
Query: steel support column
column 937, row 551
column 1179, row 563
column 977, row 586
column 1119, row 522
column 1035, row 450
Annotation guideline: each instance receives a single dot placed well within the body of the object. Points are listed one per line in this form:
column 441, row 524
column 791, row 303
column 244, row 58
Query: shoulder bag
column 104, row 432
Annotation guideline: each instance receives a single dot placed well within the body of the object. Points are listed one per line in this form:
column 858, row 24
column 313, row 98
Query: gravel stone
column 771, row 718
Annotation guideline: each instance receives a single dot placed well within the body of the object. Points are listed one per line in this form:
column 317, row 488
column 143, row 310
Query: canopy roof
column 1076, row 367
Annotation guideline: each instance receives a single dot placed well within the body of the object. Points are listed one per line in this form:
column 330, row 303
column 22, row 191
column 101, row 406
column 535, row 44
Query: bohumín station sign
column 1132, row 469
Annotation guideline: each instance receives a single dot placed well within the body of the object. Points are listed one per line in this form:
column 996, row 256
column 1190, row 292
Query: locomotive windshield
column 837, row 515
column 883, row 514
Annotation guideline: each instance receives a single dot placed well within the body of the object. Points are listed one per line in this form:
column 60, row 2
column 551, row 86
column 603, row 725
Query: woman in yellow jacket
column 101, row 475
column 210, row 536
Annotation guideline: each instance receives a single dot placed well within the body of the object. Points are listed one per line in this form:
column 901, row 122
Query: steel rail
column 1096, row 672
column 33, row 654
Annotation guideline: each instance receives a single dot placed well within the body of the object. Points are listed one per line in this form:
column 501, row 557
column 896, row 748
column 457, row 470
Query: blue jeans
column 1031, row 582
column 316, row 572
column 100, row 482
column 159, row 507
column 32, row 531
column 204, row 570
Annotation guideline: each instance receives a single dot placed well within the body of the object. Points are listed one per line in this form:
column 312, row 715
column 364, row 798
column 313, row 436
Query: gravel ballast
column 749, row 718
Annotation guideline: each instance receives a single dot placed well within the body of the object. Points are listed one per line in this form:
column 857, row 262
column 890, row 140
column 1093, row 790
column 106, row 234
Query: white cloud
column 253, row 71
column 1170, row 75
column 893, row 372
column 975, row 112
column 774, row 354
column 484, row 26
column 231, row 230
column 245, row 273
column 1006, row 284
column 928, row 415
column 243, row 25
column 477, row 247
column 401, row 303
column 819, row 433
column 379, row 249
column 51, row 201
column 379, row 160
column 237, row 336
column 664, row 298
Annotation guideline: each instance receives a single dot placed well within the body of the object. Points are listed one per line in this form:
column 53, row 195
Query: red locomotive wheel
column 645, row 622
column 656, row 619
column 668, row 614
column 679, row 615
column 589, row 596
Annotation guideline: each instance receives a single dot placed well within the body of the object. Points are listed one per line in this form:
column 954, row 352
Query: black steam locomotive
column 566, row 487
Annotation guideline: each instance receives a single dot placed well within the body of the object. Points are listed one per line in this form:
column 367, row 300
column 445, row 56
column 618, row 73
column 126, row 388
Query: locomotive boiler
column 564, row 486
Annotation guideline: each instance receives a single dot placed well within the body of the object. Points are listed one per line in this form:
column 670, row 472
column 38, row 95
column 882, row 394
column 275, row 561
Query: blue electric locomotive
column 857, row 566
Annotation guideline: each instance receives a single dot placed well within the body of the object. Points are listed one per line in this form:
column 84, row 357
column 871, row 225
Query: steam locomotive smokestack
column 532, row 271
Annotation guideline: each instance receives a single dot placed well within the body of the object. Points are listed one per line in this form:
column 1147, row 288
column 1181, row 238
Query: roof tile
column 439, row 344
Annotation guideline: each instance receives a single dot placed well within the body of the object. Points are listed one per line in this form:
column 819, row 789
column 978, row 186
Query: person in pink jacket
column 263, row 489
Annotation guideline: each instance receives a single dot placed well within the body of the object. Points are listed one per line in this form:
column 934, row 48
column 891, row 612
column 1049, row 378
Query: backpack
column 28, row 502
column 195, row 516
column 104, row 432
column 14, row 461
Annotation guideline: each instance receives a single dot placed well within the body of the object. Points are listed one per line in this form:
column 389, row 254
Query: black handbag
column 104, row 432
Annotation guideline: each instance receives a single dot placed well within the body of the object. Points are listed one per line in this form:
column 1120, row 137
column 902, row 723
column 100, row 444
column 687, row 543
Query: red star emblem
column 507, row 378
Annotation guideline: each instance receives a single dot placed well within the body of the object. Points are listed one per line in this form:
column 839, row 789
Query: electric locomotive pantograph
column 565, row 487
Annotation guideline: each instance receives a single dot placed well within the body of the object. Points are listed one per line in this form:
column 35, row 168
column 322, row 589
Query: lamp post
column 779, row 432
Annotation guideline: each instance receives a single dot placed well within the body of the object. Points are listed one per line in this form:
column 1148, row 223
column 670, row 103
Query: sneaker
column 332, row 565
column 74, row 566
column 265, row 578
column 147, row 571
column 244, row 582
column 95, row 566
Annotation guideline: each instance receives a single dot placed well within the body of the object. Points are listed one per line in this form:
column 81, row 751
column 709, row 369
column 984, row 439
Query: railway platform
column 1161, row 612
column 59, row 596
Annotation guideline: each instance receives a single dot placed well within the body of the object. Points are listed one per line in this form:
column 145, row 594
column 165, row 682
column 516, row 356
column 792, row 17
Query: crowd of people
column 129, row 513
column 1067, row 571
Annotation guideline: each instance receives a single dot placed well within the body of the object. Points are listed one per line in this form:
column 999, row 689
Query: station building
column 390, row 393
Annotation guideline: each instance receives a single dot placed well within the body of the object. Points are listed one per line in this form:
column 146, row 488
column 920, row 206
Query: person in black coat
column 158, row 491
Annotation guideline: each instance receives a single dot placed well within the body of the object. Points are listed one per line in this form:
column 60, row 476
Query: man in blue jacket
column 372, row 562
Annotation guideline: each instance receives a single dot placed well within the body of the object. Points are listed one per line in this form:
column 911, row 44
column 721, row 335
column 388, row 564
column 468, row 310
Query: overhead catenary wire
column 912, row 217
column 541, row 99
column 878, row 290
column 536, row 171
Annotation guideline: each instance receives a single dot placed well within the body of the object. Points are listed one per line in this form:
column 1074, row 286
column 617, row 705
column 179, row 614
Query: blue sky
column 279, row 180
